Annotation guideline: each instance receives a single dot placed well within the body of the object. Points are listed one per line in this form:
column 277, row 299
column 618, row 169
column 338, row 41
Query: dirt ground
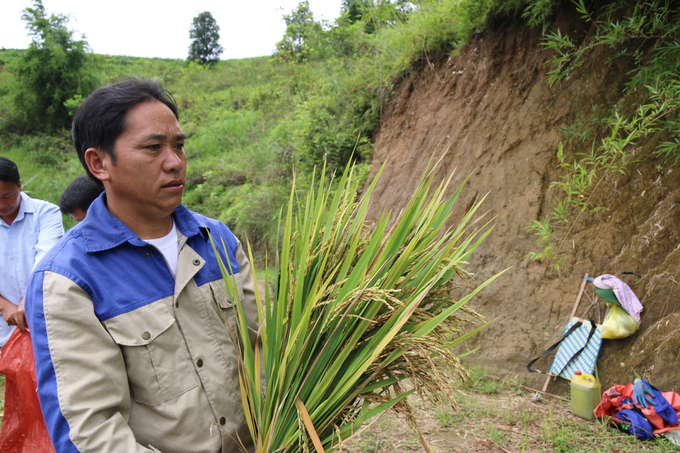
column 509, row 420
column 491, row 111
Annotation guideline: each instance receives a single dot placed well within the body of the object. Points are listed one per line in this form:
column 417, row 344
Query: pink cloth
column 624, row 294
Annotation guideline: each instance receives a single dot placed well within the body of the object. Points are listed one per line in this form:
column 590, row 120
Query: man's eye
column 155, row 146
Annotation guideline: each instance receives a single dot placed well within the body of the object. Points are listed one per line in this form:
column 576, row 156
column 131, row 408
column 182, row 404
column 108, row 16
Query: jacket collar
column 102, row 231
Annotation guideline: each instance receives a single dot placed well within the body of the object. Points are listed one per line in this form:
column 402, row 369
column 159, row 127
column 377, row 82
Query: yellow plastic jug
column 585, row 395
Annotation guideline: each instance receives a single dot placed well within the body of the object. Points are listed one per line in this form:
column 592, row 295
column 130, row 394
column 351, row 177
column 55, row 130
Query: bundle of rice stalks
column 356, row 313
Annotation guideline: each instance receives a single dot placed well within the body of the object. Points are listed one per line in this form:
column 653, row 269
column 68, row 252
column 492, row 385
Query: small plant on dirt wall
column 543, row 233
column 647, row 33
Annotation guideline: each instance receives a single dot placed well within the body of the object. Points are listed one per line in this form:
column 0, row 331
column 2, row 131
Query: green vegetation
column 205, row 39
column 300, row 30
column 544, row 232
column 253, row 124
column 256, row 125
column 356, row 314
column 647, row 34
column 51, row 75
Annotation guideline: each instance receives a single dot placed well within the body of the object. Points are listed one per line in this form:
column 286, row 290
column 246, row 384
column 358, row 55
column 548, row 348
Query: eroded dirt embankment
column 492, row 109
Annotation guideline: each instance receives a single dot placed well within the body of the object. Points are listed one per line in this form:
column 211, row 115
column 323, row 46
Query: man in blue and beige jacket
column 127, row 311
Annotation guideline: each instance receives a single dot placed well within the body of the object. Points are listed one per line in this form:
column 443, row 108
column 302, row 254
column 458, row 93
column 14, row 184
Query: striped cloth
column 585, row 362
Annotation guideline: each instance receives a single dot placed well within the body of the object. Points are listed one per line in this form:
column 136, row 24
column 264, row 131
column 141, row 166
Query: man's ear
column 98, row 161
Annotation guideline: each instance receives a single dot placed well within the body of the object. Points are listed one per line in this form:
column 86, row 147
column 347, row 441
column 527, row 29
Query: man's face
column 147, row 180
column 10, row 199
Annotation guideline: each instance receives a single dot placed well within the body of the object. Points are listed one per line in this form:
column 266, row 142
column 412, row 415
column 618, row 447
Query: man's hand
column 14, row 314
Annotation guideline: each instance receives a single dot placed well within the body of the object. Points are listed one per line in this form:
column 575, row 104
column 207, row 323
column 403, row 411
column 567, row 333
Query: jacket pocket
column 221, row 294
column 223, row 303
column 158, row 364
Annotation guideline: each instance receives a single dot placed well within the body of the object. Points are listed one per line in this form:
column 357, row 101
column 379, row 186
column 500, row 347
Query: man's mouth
column 174, row 185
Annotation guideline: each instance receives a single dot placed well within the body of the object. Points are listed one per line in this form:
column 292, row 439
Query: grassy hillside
column 227, row 136
column 244, row 120
column 255, row 123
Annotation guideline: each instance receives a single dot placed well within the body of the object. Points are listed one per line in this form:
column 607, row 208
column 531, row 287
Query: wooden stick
column 597, row 298
column 578, row 298
column 547, row 383
column 573, row 313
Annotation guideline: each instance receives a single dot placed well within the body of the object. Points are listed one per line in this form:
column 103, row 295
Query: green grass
column 236, row 148
column 495, row 436
column 566, row 436
column 482, row 382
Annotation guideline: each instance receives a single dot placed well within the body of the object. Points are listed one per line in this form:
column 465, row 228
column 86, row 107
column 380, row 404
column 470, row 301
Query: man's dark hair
column 9, row 172
column 100, row 119
column 79, row 194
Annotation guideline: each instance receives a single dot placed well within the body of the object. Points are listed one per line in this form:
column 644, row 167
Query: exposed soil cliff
column 491, row 108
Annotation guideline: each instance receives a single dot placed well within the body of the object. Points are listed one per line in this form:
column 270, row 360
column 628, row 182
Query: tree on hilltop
column 205, row 34
column 52, row 75
column 300, row 27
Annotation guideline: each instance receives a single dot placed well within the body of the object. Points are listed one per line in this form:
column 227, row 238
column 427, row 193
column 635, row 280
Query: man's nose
column 172, row 160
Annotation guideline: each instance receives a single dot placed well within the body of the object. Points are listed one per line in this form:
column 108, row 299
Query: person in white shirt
column 28, row 229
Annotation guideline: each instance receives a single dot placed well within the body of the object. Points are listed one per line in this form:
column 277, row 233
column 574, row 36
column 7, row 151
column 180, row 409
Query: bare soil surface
column 491, row 111
column 502, row 422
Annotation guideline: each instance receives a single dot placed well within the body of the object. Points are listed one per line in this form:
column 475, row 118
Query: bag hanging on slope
column 577, row 349
column 618, row 323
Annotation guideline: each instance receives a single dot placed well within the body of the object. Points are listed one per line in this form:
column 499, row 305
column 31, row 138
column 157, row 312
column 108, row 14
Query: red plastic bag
column 23, row 426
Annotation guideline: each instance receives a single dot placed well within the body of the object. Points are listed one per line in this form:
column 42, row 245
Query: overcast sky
column 154, row 28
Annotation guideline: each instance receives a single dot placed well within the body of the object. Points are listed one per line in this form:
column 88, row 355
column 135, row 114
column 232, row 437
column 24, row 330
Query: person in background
column 128, row 311
column 78, row 197
column 28, row 229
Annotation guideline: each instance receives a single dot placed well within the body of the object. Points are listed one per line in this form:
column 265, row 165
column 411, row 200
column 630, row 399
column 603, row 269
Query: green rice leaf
column 358, row 312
